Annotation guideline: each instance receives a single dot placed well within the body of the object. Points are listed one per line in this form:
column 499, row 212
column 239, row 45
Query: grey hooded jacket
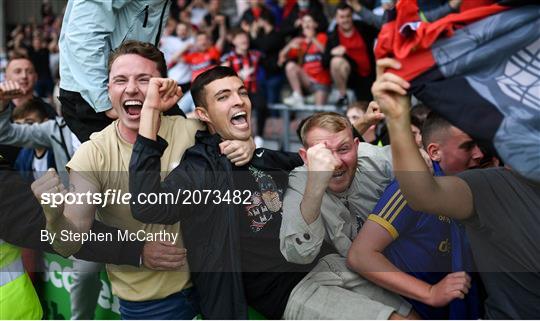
column 53, row 134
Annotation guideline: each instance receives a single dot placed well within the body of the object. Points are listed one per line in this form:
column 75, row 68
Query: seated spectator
column 246, row 64
column 349, row 55
column 304, row 68
column 292, row 24
column 413, row 253
column 203, row 55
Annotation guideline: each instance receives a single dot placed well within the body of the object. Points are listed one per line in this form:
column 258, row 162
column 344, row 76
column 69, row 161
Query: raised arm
column 302, row 228
column 145, row 180
column 220, row 43
column 448, row 196
column 145, row 164
column 32, row 136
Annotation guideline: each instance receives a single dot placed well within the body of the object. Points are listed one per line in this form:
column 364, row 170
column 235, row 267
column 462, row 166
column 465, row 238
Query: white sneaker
column 294, row 100
column 259, row 142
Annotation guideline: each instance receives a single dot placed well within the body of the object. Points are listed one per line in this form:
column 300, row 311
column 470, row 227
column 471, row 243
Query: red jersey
column 249, row 63
column 310, row 57
column 471, row 4
column 201, row 61
column 356, row 49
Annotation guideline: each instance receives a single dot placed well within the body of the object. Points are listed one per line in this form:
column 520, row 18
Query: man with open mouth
column 137, row 74
column 326, row 201
column 232, row 241
column 233, row 246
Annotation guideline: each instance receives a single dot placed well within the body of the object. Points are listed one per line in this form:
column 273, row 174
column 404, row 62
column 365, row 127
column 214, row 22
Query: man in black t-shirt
column 233, row 237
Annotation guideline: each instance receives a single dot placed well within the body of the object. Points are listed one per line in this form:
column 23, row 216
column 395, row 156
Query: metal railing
column 286, row 110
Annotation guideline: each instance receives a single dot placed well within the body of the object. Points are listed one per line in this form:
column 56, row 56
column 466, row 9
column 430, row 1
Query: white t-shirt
column 40, row 164
column 170, row 45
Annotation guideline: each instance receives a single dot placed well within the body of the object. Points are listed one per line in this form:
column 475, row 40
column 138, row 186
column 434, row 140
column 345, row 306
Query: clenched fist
column 9, row 90
column 162, row 94
column 321, row 162
column 49, row 183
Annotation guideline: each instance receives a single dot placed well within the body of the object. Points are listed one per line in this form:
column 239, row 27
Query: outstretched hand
column 372, row 116
column 390, row 90
column 162, row 94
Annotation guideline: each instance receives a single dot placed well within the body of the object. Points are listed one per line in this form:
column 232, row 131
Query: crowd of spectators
column 290, row 51
column 296, row 53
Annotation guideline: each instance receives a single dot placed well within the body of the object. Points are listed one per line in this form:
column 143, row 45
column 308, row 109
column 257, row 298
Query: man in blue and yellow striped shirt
column 422, row 249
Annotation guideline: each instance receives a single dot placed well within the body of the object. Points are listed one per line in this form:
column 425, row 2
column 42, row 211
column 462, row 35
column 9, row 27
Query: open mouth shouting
column 133, row 108
column 239, row 120
column 338, row 174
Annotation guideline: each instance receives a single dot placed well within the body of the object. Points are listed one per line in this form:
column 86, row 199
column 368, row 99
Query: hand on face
column 321, row 162
column 162, row 94
column 390, row 90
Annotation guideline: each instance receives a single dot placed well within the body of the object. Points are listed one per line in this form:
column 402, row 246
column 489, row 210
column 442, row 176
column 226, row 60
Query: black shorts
column 360, row 85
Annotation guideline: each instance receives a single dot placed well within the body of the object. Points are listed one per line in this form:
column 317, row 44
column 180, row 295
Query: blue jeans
column 273, row 86
column 183, row 305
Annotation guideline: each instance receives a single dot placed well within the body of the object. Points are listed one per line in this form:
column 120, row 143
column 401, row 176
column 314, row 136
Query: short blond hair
column 330, row 121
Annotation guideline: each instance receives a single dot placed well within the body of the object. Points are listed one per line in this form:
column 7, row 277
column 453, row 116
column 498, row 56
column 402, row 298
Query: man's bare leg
column 340, row 70
column 293, row 72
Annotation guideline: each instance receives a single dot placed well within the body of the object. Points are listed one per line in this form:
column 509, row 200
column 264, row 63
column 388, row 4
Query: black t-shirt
column 270, row 44
column 41, row 61
column 268, row 277
column 504, row 233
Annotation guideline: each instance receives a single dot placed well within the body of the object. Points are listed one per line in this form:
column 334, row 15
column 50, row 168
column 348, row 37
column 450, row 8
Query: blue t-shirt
column 421, row 245
column 428, row 247
column 422, row 242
